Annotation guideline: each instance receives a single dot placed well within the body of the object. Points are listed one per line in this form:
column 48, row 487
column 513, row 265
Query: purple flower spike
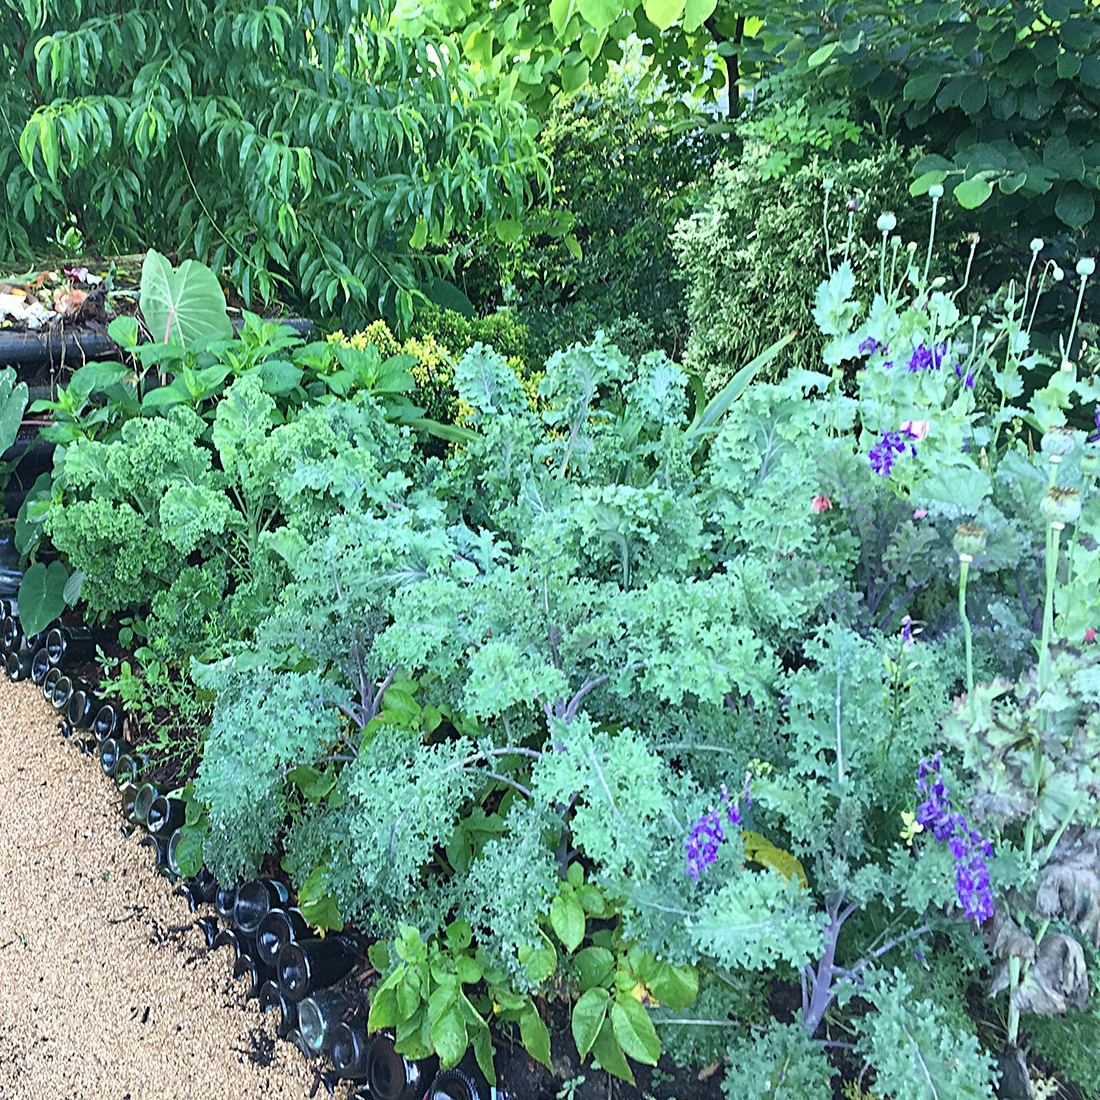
column 968, row 847
column 883, row 454
column 705, row 836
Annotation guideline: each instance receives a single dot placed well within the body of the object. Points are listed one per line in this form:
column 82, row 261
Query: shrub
column 754, row 255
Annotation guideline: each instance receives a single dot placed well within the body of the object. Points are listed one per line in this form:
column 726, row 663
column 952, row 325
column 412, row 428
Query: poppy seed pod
column 1061, row 505
column 1058, row 441
column 969, row 539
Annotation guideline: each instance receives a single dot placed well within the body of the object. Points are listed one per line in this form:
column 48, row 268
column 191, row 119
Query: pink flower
column 916, row 429
column 1090, row 635
column 920, row 513
column 821, row 503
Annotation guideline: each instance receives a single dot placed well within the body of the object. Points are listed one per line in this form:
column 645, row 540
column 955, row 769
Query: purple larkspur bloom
column 701, row 845
column 870, row 346
column 969, row 380
column 706, row 835
column 884, row 454
column 927, row 358
column 1095, row 437
column 969, row 848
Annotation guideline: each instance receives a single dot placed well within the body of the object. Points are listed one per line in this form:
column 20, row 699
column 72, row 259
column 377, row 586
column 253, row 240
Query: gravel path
column 107, row 992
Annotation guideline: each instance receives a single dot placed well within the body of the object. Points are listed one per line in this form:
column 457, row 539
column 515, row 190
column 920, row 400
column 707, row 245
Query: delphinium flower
column 968, row 381
column 969, row 848
column 1095, row 437
column 705, row 836
column 870, row 345
column 927, row 358
column 884, row 454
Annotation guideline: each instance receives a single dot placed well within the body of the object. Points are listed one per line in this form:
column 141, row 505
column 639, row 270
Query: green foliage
column 753, row 257
column 319, row 163
column 916, row 1053
column 1070, row 1043
column 1003, row 100
column 625, row 171
column 264, row 729
column 782, row 1062
column 623, row 698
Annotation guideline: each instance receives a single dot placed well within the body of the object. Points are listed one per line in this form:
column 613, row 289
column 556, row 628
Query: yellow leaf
column 758, row 849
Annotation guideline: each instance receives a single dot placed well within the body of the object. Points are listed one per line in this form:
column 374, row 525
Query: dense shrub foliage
column 305, row 147
column 625, row 171
column 754, row 255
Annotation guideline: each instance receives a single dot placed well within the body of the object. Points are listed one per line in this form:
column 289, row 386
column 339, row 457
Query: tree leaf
column 973, row 192
column 601, row 14
column 697, row 12
column 821, row 55
column 1075, row 205
column 663, row 13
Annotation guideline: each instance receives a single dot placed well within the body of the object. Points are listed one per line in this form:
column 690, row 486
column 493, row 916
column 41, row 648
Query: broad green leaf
column 72, row 588
column 589, row 1014
column 449, row 1038
column 1075, row 206
column 607, row 1051
column 593, row 966
column 697, row 12
column 920, row 185
column 312, row 783
column 538, row 962
column 419, row 236
column 574, row 73
column 317, row 903
column 42, row 595
column 183, row 305
column 535, row 1036
column 13, row 402
column 560, row 13
column 32, row 513
column 189, row 851
column 973, row 192
column 601, row 14
column 567, row 920
column 634, row 1030
column 821, row 55
column 674, row 986
column 124, row 332
column 663, row 13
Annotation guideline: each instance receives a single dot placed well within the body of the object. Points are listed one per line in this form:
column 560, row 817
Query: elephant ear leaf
column 42, row 595
column 182, row 305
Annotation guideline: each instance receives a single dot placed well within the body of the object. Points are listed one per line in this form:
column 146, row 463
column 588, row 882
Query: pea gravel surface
column 107, row 990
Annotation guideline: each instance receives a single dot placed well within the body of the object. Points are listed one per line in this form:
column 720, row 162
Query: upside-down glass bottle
column 391, row 1076
column 313, row 963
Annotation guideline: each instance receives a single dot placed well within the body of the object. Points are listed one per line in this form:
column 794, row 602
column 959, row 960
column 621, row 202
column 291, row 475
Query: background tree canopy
column 303, row 145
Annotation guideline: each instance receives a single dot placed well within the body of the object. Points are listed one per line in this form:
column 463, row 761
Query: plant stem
column 1076, row 315
column 964, row 570
column 931, row 241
